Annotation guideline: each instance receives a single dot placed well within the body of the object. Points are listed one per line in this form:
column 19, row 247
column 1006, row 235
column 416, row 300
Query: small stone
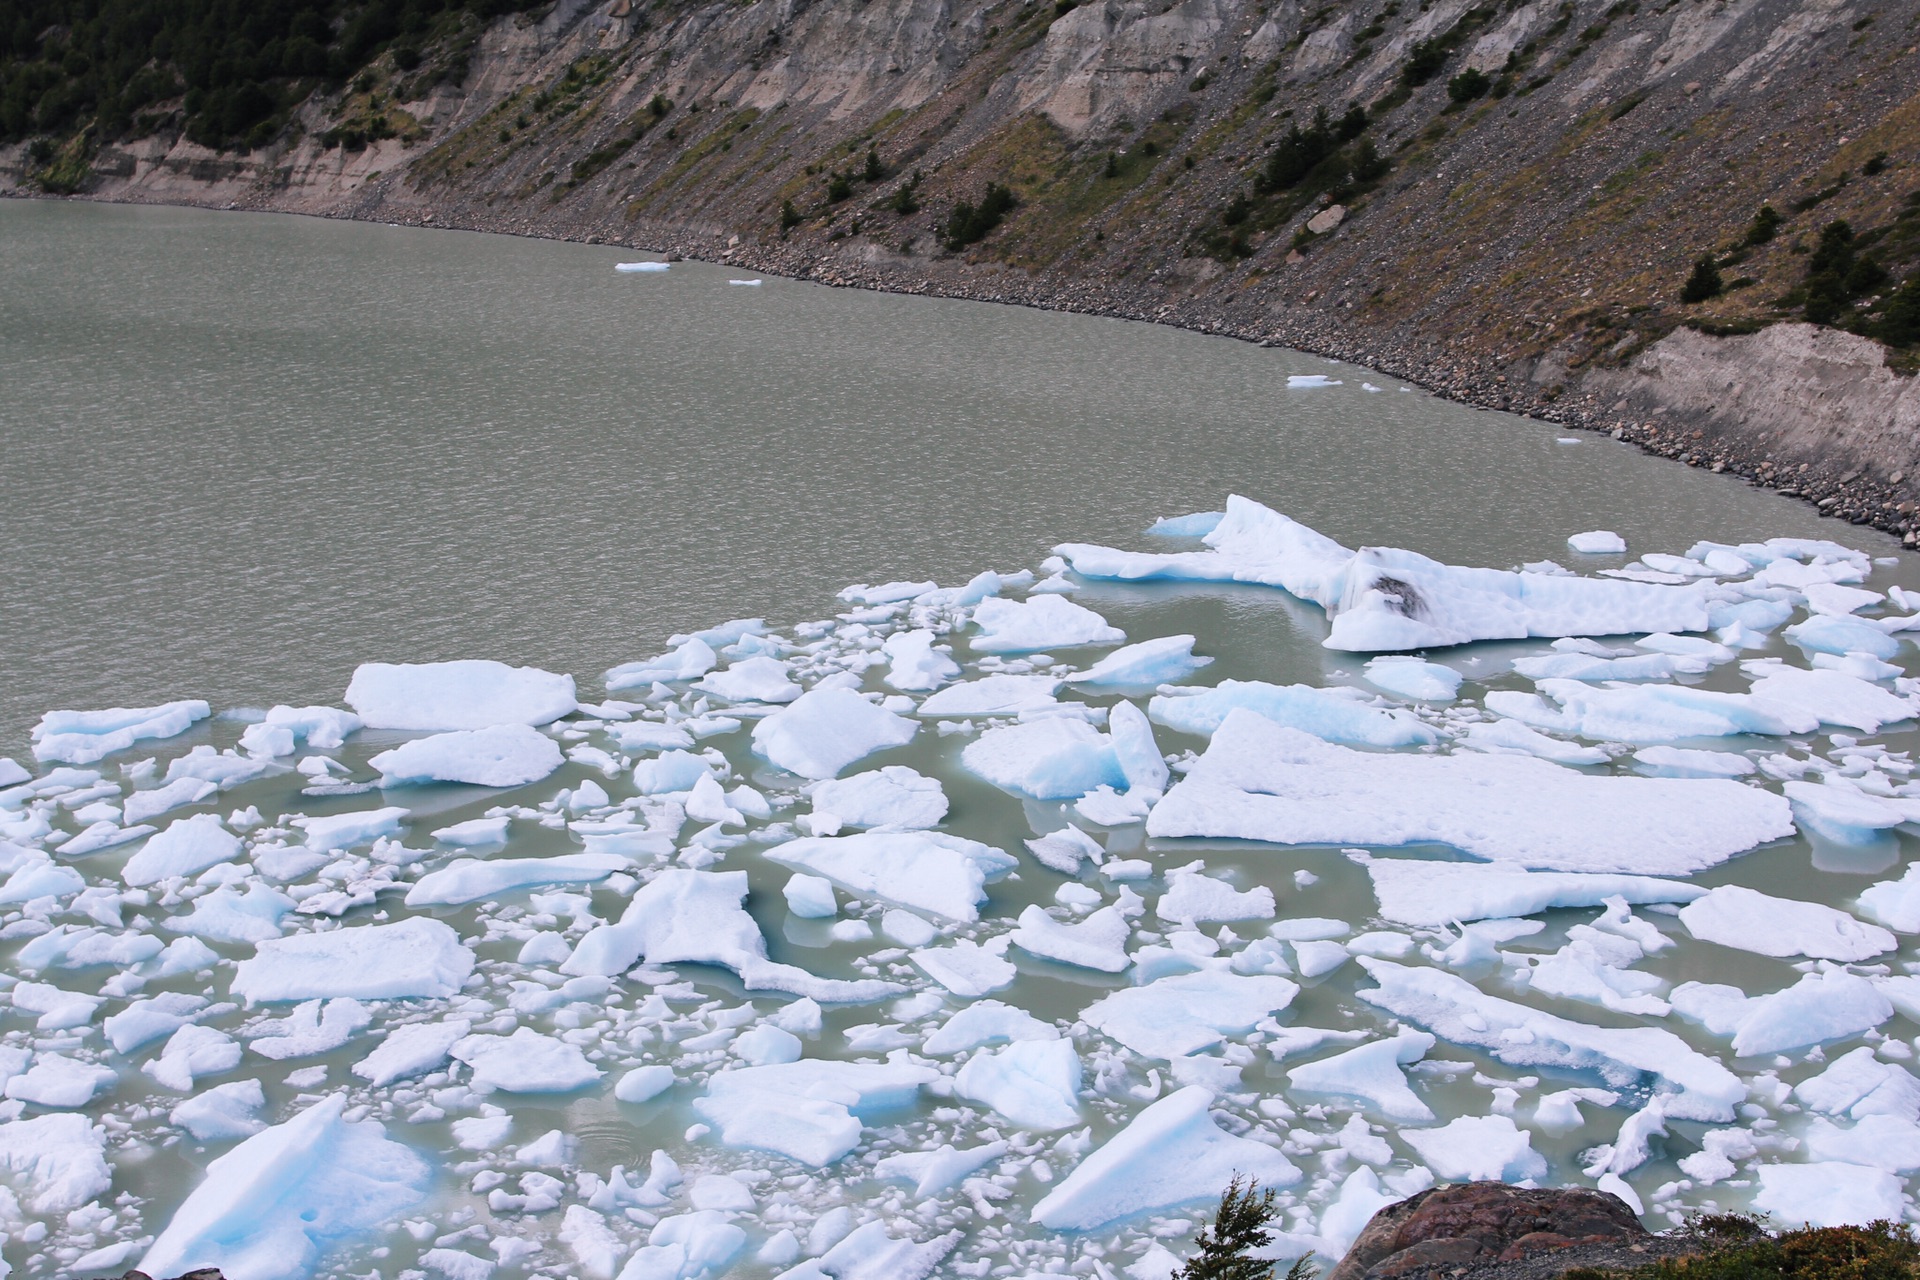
column 1327, row 219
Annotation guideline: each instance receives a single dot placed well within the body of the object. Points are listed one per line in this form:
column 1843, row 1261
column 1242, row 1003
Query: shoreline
column 1851, row 496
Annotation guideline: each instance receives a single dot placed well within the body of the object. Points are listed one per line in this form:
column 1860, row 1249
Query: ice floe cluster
column 965, row 931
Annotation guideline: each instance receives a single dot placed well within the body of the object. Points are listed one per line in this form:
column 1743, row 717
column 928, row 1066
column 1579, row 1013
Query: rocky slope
column 1508, row 217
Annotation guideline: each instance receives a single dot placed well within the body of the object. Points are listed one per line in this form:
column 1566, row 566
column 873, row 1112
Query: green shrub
column 1876, row 165
column 1200, row 82
column 1765, row 223
column 1368, row 164
column 789, row 216
column 839, row 187
column 1878, row 1251
column 874, row 171
column 969, row 223
column 1424, row 62
column 1468, row 85
column 1353, row 123
column 1237, row 209
column 1298, row 152
column 1704, row 283
column 1900, row 321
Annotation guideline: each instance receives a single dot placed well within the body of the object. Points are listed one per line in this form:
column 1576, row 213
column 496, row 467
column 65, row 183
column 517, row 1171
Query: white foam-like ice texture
column 469, row 693
column 1260, row 781
column 504, row 755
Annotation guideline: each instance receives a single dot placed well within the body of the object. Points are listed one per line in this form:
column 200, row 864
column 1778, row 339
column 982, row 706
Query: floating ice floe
column 1821, row 1007
column 895, row 798
column 1598, row 542
column 1338, row 715
column 414, row 958
column 1047, row 759
column 825, row 730
column 1169, row 1154
column 1042, row 622
column 505, row 755
column 1260, row 781
column 1385, row 599
column 265, row 1209
column 1746, row 919
column 696, row 916
column 1414, row 678
column 640, row 268
column 809, row 1110
column 470, row 693
column 927, row 871
column 1146, row 664
column 82, row 737
column 1372, row 1074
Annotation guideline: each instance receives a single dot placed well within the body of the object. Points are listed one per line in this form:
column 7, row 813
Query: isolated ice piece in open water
column 82, row 737
column 470, row 693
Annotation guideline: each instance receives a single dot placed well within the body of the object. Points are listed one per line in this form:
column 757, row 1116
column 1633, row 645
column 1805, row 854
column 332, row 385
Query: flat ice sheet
column 1259, row 781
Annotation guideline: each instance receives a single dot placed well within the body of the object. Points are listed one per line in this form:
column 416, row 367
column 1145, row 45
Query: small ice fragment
column 1414, row 678
column 1296, row 381
column 927, row 871
column 82, row 737
column 417, row 958
column 643, row 1084
column 474, row 831
column 58, row 1162
column 223, row 1112
column 639, row 268
column 966, row 968
column 1063, row 850
column 907, row 929
column 1201, row 899
column 411, row 1050
column 1335, row 715
column 934, row 1171
column 1098, row 942
column 757, row 679
column 1049, row 759
column 1373, row 1074
column 1188, row 1012
column 993, row 695
column 187, row 846
column 1599, row 542
column 1195, row 525
column 895, row 798
column 1148, row 663
column 914, row 664
column 1034, row 1084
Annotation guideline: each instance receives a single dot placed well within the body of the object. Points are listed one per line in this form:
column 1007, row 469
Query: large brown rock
column 1472, row 1224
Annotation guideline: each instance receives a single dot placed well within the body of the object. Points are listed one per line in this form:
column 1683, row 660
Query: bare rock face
column 1473, row 1224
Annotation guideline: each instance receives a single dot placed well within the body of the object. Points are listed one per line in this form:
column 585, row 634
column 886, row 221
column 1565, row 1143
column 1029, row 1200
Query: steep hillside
column 1505, row 200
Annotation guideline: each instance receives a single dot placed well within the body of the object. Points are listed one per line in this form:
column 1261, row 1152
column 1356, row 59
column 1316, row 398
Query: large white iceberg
column 470, row 693
column 1382, row 598
column 416, row 958
column 1735, row 916
column 1169, row 1154
column 1456, row 1010
column 1260, row 781
column 268, row 1207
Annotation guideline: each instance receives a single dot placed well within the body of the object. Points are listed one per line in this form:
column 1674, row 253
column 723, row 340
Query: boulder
column 1472, row 1224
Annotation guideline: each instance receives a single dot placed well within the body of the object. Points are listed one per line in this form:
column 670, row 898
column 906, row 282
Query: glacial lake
column 244, row 454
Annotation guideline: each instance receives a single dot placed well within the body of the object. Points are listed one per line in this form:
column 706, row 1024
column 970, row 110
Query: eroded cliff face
column 1523, row 246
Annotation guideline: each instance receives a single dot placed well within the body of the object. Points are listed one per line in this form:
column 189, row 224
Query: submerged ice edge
column 349, row 1012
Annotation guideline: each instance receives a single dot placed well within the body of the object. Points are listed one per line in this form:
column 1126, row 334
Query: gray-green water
column 243, row 454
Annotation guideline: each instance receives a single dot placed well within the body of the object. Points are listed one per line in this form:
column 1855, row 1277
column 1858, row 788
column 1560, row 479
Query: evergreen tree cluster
column 239, row 65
